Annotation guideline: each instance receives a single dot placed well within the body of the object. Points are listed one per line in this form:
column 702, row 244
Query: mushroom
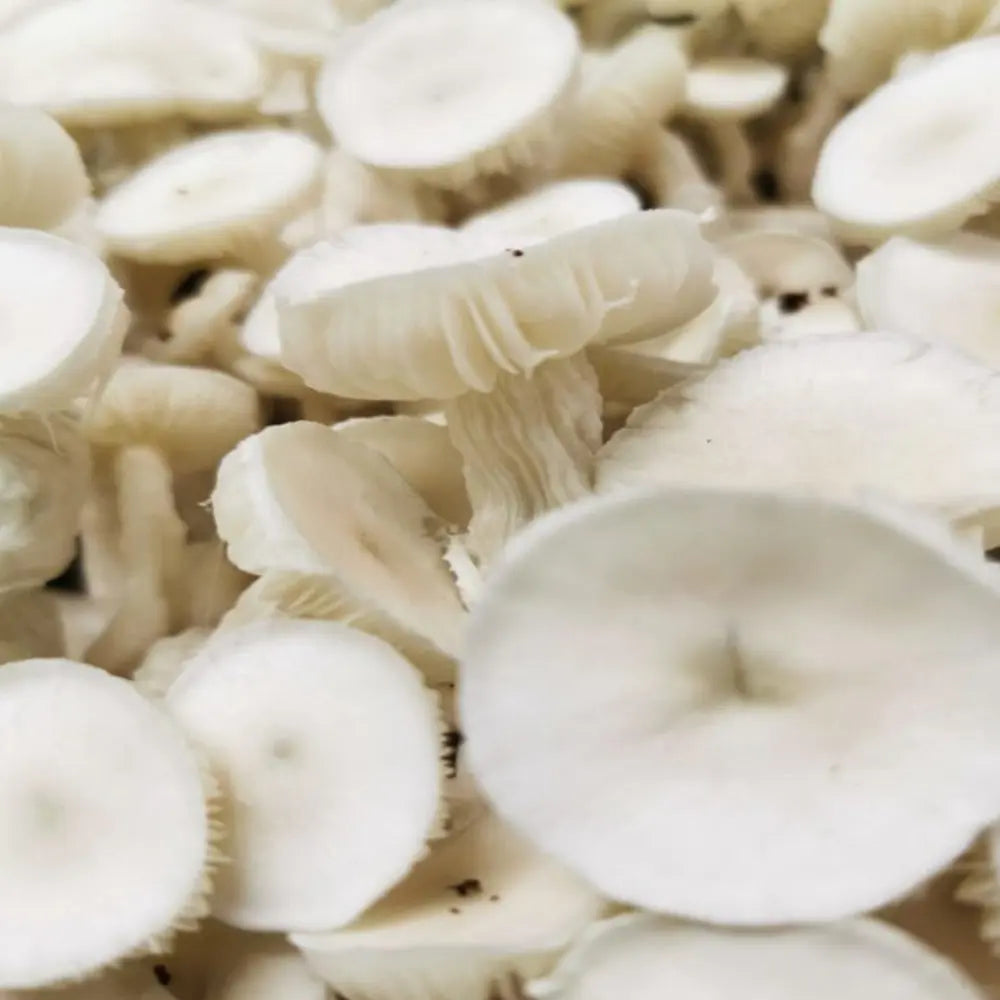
column 416, row 313
column 100, row 63
column 447, row 92
column 268, row 971
column 645, row 957
column 822, row 317
column 114, row 808
column 165, row 660
column 480, row 914
column 724, row 93
column 783, row 29
column 42, row 175
column 667, row 168
column 837, row 415
column 917, row 157
column 224, row 195
column 56, row 348
column 947, row 291
column 326, row 743
column 673, row 645
column 306, row 499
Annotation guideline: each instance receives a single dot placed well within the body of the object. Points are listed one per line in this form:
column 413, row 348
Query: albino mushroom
column 837, row 415
column 947, row 291
column 483, row 912
column 818, row 318
column 225, row 195
column 668, row 170
column 64, row 322
column 446, row 91
column 295, row 31
column 723, row 93
column 268, row 971
column 917, row 157
column 416, row 313
column 42, row 175
column 114, row 808
column 326, row 742
column 306, row 499
column 165, row 660
column 645, row 957
column 99, row 63
column 672, row 646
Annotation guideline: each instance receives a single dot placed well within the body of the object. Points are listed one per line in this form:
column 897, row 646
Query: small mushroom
column 115, row 807
column 267, row 971
column 326, row 743
column 856, row 644
column 444, row 91
column 646, row 957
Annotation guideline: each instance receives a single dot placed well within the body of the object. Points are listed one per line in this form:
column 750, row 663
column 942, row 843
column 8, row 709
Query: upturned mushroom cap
column 865, row 41
column 673, row 645
column 326, row 742
column 446, row 90
column 221, row 195
column 42, row 175
column 838, row 415
column 428, row 313
column 947, row 291
column 64, row 321
column 482, row 912
column 646, row 957
column 83, row 823
column 116, row 62
column 733, row 89
column 918, row 156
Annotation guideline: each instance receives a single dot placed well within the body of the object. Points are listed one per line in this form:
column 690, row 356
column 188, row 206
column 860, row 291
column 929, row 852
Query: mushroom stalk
column 668, row 169
column 802, row 143
column 735, row 157
column 527, row 447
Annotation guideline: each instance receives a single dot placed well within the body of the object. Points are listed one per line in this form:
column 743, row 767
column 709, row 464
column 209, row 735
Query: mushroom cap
column 193, row 415
column 83, row 822
column 673, row 645
column 836, row 415
column 299, row 30
column 210, row 196
column 266, row 972
column 947, row 291
column 55, row 347
column 556, row 208
column 734, row 88
column 327, row 743
column 429, row 314
column 439, row 87
column 42, row 176
column 821, row 317
column 918, row 156
column 116, row 62
column 646, row 957
column 864, row 41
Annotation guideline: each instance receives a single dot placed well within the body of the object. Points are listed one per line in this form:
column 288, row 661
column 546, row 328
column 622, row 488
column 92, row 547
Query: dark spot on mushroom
column 516, row 253
column 765, row 185
column 454, row 909
column 162, row 974
column 467, row 887
column 676, row 20
column 829, row 291
column 453, row 740
column 71, row 578
column 190, row 285
column 494, row 899
column 792, row 302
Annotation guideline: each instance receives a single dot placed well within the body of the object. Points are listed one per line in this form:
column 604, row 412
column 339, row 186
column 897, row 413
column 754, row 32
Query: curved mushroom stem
column 801, row 145
column 151, row 543
column 527, row 447
column 736, row 159
column 668, row 169
column 99, row 532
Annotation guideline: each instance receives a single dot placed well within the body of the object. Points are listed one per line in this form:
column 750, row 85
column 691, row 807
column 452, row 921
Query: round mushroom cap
column 734, row 88
column 193, row 415
column 647, row 957
column 445, row 88
column 918, row 156
column 211, row 197
column 116, row 62
column 102, row 797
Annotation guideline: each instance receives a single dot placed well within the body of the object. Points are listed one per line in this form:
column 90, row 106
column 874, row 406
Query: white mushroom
column 225, row 195
column 326, row 742
column 268, row 971
column 113, row 808
column 483, row 912
column 673, row 646
column 446, row 91
column 646, row 957
column 917, row 157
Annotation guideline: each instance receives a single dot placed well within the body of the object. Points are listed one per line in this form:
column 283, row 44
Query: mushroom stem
column 151, row 544
column 527, row 447
column 668, row 169
column 801, row 145
column 736, row 159
column 99, row 530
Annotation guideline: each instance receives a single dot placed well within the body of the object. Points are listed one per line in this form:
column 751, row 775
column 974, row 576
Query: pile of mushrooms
column 499, row 499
